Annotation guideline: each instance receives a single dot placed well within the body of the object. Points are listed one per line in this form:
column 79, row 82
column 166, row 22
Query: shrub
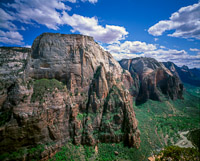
column 177, row 153
column 42, row 86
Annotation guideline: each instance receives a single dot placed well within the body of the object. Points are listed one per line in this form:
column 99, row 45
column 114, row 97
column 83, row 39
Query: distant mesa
column 190, row 76
column 155, row 80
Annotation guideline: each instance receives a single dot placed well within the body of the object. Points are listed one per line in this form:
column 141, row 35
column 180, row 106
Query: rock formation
column 190, row 76
column 66, row 88
column 155, row 79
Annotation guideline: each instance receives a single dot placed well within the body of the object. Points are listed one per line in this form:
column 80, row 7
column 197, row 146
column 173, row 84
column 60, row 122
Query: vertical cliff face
column 155, row 79
column 71, row 89
column 73, row 59
column 13, row 62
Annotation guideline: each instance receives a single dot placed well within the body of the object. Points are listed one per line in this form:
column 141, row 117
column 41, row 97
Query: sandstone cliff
column 155, row 79
column 66, row 88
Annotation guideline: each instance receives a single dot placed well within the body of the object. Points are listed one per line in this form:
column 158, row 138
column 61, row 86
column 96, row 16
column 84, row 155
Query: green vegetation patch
column 73, row 152
column 194, row 90
column 194, row 136
column 160, row 122
column 105, row 152
column 80, row 116
column 113, row 95
column 4, row 117
column 42, row 86
column 33, row 153
column 176, row 153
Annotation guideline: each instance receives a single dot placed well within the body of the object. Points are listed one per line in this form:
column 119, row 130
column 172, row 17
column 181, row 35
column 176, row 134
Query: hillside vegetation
column 159, row 124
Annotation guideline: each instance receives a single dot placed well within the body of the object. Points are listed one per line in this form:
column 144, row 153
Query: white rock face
column 70, row 57
column 13, row 62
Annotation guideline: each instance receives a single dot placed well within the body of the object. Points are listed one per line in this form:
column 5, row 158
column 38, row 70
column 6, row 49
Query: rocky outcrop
column 156, row 81
column 70, row 89
column 190, row 76
column 13, row 62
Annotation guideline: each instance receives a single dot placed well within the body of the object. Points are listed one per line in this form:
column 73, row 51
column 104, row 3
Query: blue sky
column 168, row 30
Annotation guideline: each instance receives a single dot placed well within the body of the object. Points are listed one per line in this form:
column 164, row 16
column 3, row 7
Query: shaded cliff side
column 66, row 88
column 190, row 76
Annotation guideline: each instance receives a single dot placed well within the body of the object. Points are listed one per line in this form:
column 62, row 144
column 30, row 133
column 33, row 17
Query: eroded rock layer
column 67, row 88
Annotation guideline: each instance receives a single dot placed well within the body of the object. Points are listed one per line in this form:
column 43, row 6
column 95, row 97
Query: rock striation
column 65, row 88
column 155, row 80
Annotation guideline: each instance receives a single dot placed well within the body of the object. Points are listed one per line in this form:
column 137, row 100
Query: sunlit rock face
column 68, row 88
column 155, row 79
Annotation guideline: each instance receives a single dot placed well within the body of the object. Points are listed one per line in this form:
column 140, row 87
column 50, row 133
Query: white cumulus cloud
column 90, row 26
column 91, row 1
column 40, row 11
column 194, row 49
column 185, row 22
column 5, row 20
column 132, row 49
column 11, row 37
column 53, row 14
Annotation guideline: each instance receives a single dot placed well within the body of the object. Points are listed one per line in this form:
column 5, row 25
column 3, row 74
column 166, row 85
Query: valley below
column 168, row 123
column 161, row 124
